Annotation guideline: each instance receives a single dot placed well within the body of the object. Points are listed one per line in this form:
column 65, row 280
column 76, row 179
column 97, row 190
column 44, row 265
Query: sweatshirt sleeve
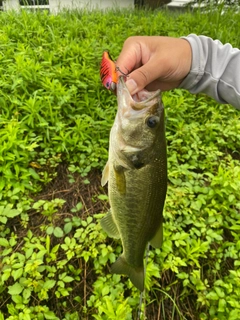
column 215, row 70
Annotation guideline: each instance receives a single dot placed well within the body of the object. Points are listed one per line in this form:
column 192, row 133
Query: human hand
column 154, row 62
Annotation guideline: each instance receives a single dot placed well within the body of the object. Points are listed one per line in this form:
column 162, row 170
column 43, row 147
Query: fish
column 136, row 173
column 108, row 72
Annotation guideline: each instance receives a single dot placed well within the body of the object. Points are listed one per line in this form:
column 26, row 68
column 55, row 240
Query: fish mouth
column 138, row 101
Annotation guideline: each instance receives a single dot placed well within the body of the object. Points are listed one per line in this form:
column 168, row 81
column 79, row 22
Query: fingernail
column 131, row 85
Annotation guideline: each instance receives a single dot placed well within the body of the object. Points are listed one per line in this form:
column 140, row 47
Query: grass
column 55, row 120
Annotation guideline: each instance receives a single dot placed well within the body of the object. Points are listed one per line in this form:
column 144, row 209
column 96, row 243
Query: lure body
column 108, row 72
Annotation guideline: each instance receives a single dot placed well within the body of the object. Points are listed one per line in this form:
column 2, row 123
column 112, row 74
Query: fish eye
column 152, row 121
column 108, row 85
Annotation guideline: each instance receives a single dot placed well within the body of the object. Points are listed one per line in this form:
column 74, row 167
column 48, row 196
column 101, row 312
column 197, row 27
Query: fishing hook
column 124, row 74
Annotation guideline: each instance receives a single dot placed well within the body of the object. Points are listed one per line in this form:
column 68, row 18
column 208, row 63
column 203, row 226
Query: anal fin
column 110, row 226
column 157, row 240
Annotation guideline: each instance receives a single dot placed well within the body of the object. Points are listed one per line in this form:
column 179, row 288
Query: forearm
column 215, row 70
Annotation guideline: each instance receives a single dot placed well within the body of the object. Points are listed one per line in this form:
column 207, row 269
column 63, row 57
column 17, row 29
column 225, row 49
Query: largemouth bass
column 136, row 173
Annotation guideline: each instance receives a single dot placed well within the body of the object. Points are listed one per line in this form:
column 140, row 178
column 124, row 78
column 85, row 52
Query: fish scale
column 137, row 175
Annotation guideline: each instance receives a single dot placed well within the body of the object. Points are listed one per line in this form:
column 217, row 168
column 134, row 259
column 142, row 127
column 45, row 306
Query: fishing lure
column 108, row 72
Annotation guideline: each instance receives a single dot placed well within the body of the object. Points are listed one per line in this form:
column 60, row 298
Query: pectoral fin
column 109, row 226
column 105, row 174
column 157, row 240
column 119, row 172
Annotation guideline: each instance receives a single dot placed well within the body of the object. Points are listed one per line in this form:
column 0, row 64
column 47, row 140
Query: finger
column 143, row 76
column 130, row 56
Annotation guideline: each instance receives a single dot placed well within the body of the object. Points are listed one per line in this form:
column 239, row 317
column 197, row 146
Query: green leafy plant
column 55, row 120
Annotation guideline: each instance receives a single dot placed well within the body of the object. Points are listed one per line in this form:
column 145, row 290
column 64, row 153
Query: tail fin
column 136, row 275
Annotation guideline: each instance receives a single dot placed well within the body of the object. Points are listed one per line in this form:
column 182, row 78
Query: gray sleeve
column 215, row 70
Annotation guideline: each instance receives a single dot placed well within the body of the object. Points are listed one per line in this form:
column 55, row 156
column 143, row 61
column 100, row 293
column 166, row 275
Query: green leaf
column 29, row 252
column 212, row 296
column 105, row 291
column 15, row 289
column 6, row 252
column 221, row 305
column 237, row 263
column 34, row 174
column 231, row 198
column 58, row 232
column 4, row 242
column 50, row 230
column 38, row 204
column 67, row 227
column 49, row 284
column 182, row 275
column 49, row 315
column 5, row 276
column 79, row 206
column 9, row 212
column 17, row 299
column 220, row 292
column 26, row 293
column 67, row 279
column 103, row 197
column 55, row 248
column 17, row 273
column 3, row 220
